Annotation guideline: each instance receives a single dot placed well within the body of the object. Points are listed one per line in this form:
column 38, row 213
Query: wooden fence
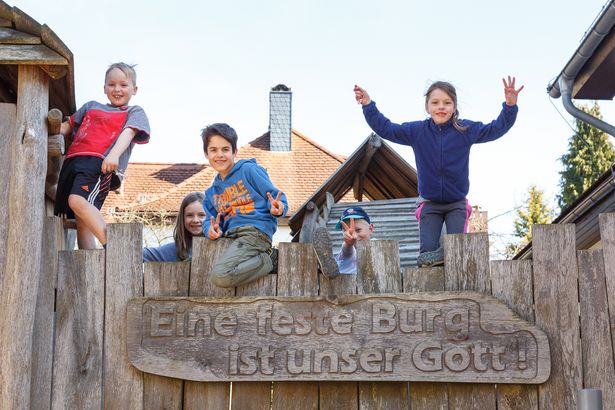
column 81, row 362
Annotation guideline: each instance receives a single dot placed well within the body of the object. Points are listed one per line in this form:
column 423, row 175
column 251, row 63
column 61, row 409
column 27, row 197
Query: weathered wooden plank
column 10, row 36
column 557, row 311
column 25, row 23
column 123, row 384
column 42, row 343
column 310, row 221
column 466, row 267
column 607, row 236
column 426, row 395
column 205, row 253
column 23, row 259
column 256, row 395
column 511, row 282
column 164, row 279
column 30, row 54
column 297, row 276
column 6, row 11
column 596, row 341
column 390, row 337
column 8, row 113
column 378, row 271
column 78, row 358
column 5, row 22
column 339, row 395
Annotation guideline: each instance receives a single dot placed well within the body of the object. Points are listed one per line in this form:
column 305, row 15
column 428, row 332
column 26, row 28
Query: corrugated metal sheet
column 393, row 219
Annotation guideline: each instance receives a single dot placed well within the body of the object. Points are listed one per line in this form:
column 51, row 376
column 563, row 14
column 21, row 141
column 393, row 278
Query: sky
column 200, row 62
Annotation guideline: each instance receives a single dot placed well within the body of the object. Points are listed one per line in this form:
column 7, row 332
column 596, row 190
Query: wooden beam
column 5, row 22
column 55, row 71
column 25, row 23
column 6, row 11
column 10, row 36
column 23, row 261
column 30, row 54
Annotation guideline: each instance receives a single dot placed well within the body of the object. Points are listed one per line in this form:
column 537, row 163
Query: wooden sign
column 443, row 337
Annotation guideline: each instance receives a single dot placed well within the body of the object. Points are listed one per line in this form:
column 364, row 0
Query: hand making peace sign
column 277, row 207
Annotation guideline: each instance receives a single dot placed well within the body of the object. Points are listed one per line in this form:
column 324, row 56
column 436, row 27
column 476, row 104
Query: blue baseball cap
column 355, row 212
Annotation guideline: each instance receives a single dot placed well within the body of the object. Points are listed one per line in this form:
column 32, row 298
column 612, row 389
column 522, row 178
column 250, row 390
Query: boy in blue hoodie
column 241, row 204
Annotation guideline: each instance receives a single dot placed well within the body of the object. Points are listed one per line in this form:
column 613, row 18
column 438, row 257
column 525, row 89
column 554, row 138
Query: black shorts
column 81, row 176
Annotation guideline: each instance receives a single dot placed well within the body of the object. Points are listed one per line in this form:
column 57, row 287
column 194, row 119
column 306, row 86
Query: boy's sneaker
column 273, row 254
column 431, row 258
column 324, row 253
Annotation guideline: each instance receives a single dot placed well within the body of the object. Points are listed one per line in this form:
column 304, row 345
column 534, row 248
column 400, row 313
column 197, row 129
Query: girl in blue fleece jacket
column 441, row 146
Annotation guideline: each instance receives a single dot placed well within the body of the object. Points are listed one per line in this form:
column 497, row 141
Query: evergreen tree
column 535, row 211
column 590, row 154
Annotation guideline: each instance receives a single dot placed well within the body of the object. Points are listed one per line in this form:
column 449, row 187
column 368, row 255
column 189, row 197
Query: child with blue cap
column 357, row 227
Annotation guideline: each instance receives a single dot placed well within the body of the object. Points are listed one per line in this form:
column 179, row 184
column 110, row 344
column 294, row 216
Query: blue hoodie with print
column 241, row 199
column 442, row 152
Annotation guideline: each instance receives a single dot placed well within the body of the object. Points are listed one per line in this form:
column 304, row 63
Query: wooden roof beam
column 30, row 54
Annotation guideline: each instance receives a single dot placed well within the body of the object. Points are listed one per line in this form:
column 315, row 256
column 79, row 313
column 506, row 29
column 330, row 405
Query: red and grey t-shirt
column 96, row 126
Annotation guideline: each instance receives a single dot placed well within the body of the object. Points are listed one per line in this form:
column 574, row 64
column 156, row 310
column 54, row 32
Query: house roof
column 298, row 173
column 374, row 171
column 24, row 41
column 584, row 212
column 593, row 63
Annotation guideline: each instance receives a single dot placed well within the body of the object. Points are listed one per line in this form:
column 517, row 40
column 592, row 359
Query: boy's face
column 119, row 88
column 362, row 229
column 220, row 155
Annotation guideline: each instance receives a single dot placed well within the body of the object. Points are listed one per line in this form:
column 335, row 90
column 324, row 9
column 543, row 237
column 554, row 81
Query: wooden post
column 511, row 282
column 556, row 300
column 466, row 267
column 8, row 112
column 164, row 279
column 607, row 235
column 78, row 358
column 597, row 342
column 55, row 150
column 339, row 395
column 297, row 276
column 205, row 253
column 426, row 396
column 378, row 264
column 123, row 384
column 254, row 395
column 42, row 343
column 26, row 207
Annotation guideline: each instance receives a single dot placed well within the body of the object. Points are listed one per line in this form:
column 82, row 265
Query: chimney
column 280, row 103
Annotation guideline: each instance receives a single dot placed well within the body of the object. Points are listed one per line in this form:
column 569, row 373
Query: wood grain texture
column 10, row 36
column 30, row 54
column 607, row 235
column 511, row 282
column 596, row 342
column 42, row 343
column 338, row 395
column 466, row 267
column 78, row 358
column 8, row 114
column 557, row 311
column 378, row 271
column 26, row 182
column 205, row 253
column 297, row 276
column 123, row 384
column 164, row 279
column 256, row 395
column 426, row 396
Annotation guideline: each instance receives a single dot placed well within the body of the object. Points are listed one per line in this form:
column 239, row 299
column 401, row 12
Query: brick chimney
column 280, row 106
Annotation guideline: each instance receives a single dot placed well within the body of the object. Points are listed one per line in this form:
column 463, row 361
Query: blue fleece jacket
column 442, row 152
column 241, row 199
column 164, row 253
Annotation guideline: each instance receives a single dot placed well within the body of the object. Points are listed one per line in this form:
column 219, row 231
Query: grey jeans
column 247, row 258
column 432, row 215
